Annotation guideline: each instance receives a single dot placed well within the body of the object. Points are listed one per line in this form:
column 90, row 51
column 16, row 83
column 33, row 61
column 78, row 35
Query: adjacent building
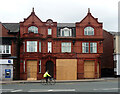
column 69, row 51
column 9, row 65
column 116, row 53
column 107, row 65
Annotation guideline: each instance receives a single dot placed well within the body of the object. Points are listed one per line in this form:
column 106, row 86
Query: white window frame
column 4, row 49
column 40, row 66
column 89, row 30
column 33, row 29
column 39, row 46
column 49, row 47
column 32, row 45
column 49, row 31
column 93, row 46
column 66, row 47
column 85, row 47
column 66, row 32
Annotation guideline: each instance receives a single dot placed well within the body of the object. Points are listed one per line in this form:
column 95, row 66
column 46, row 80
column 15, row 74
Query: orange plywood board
column 31, row 70
column 66, row 69
column 89, row 69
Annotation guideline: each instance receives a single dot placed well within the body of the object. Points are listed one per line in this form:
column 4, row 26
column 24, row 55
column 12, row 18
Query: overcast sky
column 62, row 11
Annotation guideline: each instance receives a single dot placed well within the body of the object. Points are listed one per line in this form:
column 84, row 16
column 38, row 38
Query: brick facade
column 76, row 45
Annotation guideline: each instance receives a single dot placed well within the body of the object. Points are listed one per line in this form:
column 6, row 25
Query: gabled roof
column 13, row 27
column 89, row 17
column 31, row 15
column 65, row 24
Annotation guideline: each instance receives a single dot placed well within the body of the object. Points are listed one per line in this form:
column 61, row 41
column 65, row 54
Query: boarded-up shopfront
column 66, row 69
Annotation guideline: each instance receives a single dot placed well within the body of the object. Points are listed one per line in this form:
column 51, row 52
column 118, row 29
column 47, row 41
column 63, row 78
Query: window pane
column 62, row 33
column 93, row 47
column 3, row 48
column 85, row 47
column 31, row 46
column 89, row 31
column 66, row 47
column 33, row 29
column 49, row 46
column 7, row 48
column 70, row 32
column 40, row 66
column 39, row 46
column 24, row 46
column 35, row 43
column 49, row 31
column 66, row 32
column 0, row 48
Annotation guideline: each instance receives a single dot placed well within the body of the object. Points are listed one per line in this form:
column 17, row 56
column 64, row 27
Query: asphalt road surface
column 71, row 87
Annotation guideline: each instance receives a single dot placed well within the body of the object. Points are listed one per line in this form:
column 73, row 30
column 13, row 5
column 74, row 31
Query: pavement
column 58, row 81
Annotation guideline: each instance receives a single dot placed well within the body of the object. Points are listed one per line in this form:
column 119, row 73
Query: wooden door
column 31, row 70
column 89, row 69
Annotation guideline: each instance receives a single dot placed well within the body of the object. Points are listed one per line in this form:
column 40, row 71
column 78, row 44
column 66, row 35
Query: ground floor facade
column 6, row 69
column 60, row 69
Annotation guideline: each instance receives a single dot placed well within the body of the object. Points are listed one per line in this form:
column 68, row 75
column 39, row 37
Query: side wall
column 107, row 64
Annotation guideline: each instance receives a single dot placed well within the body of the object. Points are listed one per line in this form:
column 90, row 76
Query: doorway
column 31, row 70
column 50, row 67
column 89, row 69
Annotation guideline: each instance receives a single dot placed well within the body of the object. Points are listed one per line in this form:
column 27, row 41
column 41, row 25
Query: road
column 102, row 86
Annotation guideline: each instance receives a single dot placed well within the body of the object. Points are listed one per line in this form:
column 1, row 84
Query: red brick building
column 67, row 50
column 9, row 51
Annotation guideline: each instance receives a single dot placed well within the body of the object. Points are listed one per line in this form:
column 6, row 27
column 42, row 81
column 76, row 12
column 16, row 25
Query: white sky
column 64, row 11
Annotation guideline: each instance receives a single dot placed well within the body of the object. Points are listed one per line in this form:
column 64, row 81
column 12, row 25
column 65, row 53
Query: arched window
column 33, row 29
column 89, row 31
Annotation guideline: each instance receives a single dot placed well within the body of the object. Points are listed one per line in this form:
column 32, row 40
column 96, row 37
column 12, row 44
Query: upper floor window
column 89, row 31
column 66, row 47
column 33, row 29
column 24, row 46
column 93, row 47
column 31, row 46
column 5, row 49
column 50, row 47
column 85, row 47
column 66, row 32
column 39, row 46
column 49, row 31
